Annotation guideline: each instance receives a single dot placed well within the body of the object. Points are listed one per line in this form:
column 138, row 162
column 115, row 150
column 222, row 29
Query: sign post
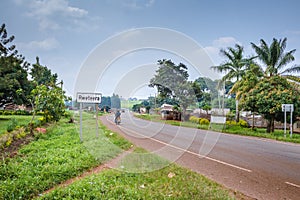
column 288, row 108
column 88, row 98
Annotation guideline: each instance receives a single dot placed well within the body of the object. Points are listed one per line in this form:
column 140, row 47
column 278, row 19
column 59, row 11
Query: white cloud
column 43, row 45
column 56, row 14
column 225, row 42
column 220, row 43
column 134, row 4
column 40, row 8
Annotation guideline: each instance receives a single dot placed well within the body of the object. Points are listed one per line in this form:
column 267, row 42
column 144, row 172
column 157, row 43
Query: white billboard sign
column 88, row 97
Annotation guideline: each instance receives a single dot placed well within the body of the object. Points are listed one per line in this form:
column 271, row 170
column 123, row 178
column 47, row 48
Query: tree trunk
column 237, row 113
column 269, row 126
column 253, row 121
column 273, row 125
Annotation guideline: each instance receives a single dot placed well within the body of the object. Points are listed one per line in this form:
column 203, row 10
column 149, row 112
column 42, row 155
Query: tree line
column 259, row 83
column 22, row 83
column 263, row 82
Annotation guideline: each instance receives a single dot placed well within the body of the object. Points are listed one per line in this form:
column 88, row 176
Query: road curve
column 259, row 168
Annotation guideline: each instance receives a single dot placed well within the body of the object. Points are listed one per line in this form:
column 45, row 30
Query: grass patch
column 54, row 157
column 171, row 182
column 129, row 103
column 261, row 132
column 5, row 121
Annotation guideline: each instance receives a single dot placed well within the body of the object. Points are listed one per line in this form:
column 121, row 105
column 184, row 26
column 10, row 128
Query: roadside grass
column 129, row 103
column 6, row 120
column 261, row 132
column 170, row 182
column 231, row 129
column 55, row 157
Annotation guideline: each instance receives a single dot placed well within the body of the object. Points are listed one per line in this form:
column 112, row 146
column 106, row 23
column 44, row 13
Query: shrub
column 7, row 112
column 204, row 121
column 12, row 124
column 22, row 112
column 231, row 122
column 8, row 142
column 243, row 123
column 194, row 119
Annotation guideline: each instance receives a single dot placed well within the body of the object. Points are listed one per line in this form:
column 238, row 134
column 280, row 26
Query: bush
column 204, row 121
column 22, row 112
column 12, row 124
column 243, row 123
column 231, row 122
column 194, row 119
column 7, row 112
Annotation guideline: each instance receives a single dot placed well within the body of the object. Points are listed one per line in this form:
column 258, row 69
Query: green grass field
column 128, row 104
column 5, row 120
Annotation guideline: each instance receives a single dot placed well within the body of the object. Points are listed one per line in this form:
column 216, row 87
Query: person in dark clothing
column 118, row 117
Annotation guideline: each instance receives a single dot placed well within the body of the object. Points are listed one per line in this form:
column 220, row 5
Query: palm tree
column 234, row 67
column 275, row 59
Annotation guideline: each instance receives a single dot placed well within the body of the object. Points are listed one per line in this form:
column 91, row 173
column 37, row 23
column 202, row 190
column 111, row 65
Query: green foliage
column 115, row 101
column 194, row 119
column 274, row 58
column 12, row 112
column 243, row 123
column 267, row 97
column 14, row 85
column 42, row 75
column 7, row 138
column 231, row 122
column 49, row 100
column 12, row 124
column 197, row 120
column 53, row 158
column 204, row 121
column 171, row 81
column 171, row 182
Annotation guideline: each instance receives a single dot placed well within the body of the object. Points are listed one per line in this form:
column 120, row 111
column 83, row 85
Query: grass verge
column 232, row 129
column 171, row 182
column 54, row 157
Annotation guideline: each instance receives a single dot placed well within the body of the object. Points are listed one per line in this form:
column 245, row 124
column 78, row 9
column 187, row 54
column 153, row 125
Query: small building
column 167, row 112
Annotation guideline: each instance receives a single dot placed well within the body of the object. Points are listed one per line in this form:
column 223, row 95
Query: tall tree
column 14, row 85
column 243, row 87
column 267, row 96
column 115, row 101
column 275, row 58
column 171, row 81
column 275, row 61
column 234, row 67
column 42, row 75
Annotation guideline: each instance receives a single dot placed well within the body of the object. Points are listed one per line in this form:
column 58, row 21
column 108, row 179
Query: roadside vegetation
column 10, row 122
column 171, row 182
column 58, row 155
column 53, row 157
column 232, row 127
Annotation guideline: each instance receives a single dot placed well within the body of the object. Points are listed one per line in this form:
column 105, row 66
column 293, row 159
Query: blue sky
column 63, row 33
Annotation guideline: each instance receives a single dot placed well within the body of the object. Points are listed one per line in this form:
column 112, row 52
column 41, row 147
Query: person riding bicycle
column 118, row 117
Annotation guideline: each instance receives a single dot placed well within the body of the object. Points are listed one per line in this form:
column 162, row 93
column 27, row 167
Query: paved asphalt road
column 259, row 168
